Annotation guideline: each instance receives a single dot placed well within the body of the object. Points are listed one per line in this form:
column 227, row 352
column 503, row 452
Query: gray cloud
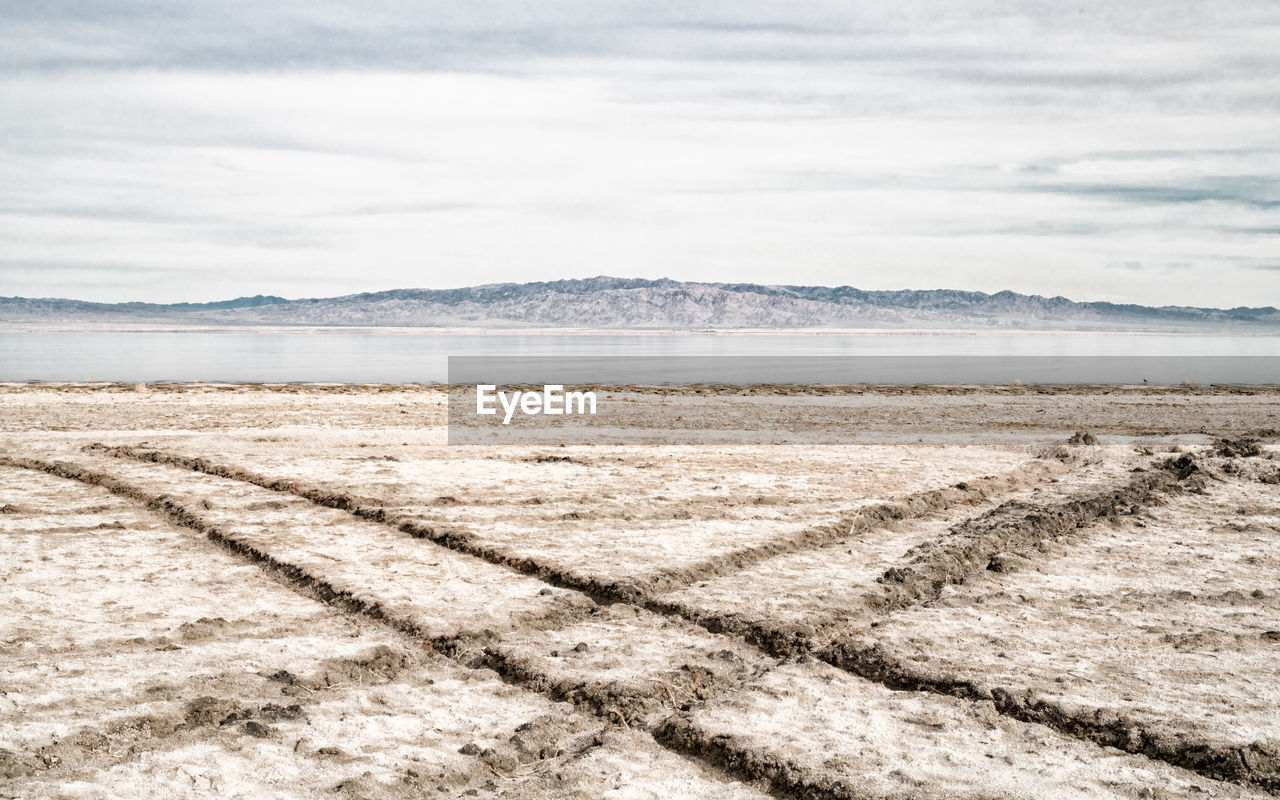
column 1254, row 191
column 318, row 147
column 1141, row 266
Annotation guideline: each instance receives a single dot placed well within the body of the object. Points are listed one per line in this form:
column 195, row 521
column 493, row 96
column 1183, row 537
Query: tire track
column 850, row 524
column 82, row 749
column 969, row 546
column 602, row 699
column 964, row 552
column 632, row 590
column 785, row 778
column 310, row 585
column 452, row 537
column 1247, row 764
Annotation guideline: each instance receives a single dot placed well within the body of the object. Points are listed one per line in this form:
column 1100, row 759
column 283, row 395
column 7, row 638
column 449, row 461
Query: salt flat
column 218, row 591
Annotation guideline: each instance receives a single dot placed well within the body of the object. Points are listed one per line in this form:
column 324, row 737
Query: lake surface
column 421, row 356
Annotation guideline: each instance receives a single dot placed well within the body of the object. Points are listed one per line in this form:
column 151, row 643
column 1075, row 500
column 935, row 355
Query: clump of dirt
column 267, row 505
column 1082, row 438
column 537, row 740
column 1058, row 452
column 1243, row 447
column 223, row 712
column 203, row 628
column 1253, row 469
column 9, row 508
column 274, row 713
column 88, row 747
column 549, row 459
column 1007, row 562
column 283, row 676
column 17, row 765
column 1189, row 472
column 257, row 730
column 1196, row 641
column 379, row 665
column 208, row 711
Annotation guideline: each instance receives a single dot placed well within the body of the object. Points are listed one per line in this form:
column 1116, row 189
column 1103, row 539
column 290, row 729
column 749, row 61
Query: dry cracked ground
column 299, row 592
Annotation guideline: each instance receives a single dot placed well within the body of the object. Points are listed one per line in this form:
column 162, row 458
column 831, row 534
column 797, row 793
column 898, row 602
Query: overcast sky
column 195, row 151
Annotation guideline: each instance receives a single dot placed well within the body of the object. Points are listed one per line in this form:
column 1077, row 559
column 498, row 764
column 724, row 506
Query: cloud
column 1140, row 266
column 1260, row 192
column 310, row 148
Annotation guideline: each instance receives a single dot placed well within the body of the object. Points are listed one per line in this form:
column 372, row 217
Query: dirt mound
column 206, row 711
column 379, row 665
column 203, row 628
column 1243, row 447
column 550, row 459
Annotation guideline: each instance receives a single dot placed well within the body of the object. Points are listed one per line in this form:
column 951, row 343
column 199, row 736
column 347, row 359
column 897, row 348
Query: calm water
column 399, row 356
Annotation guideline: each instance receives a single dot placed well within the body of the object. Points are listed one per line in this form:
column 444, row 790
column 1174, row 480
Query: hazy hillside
column 635, row 303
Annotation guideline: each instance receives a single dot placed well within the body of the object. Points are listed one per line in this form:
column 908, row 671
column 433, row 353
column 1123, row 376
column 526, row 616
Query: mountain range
column 606, row 302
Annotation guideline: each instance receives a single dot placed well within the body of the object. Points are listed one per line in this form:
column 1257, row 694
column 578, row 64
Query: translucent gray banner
column 864, row 370
column 776, row 400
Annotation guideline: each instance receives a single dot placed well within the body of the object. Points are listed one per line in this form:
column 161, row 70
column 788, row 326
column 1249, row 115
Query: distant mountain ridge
column 607, row 302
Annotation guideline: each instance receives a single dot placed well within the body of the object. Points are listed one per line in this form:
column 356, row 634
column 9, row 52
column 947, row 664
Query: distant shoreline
column 147, row 327
column 321, row 387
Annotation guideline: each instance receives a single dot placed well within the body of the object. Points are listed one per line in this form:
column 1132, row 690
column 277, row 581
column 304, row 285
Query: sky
column 199, row 151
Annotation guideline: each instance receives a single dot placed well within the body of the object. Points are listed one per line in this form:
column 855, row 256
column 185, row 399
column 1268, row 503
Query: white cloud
column 170, row 153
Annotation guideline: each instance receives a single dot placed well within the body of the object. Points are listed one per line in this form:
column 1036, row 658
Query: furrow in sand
column 847, row 736
column 629, row 589
column 852, row 523
column 715, row 732
column 963, row 550
column 966, row 550
column 1250, row 764
column 311, row 584
column 451, row 537
column 144, row 655
column 1014, row 527
column 609, row 700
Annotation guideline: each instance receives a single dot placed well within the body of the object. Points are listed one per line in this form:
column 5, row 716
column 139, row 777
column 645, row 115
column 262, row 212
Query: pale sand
column 329, row 599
